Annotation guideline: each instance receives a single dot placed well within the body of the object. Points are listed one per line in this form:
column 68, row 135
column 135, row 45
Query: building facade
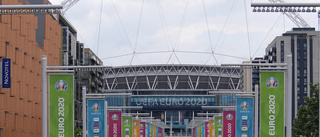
column 182, row 92
column 92, row 79
column 24, row 38
column 303, row 44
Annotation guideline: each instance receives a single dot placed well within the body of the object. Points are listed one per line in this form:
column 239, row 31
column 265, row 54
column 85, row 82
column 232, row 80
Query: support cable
column 138, row 32
column 99, row 27
column 248, row 32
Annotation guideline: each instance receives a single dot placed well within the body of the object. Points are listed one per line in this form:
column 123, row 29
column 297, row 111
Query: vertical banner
column 114, row 123
column 199, row 131
column 126, row 126
column 157, row 131
column 151, row 130
column 142, row 129
column 147, row 129
column 211, row 128
column 6, row 73
column 136, row 128
column 206, row 129
column 95, row 118
column 229, row 123
column 244, row 121
column 61, row 105
column 154, row 131
column 203, row 129
column 218, row 126
column 272, row 104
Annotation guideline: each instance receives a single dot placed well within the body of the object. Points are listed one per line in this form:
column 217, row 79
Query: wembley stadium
column 176, row 93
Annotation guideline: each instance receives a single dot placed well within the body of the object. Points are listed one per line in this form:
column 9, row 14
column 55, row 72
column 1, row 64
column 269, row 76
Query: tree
column 78, row 132
column 307, row 121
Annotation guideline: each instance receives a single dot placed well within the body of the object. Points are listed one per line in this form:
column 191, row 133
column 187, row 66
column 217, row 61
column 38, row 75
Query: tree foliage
column 307, row 121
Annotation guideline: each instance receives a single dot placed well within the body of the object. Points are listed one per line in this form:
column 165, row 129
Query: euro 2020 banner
column 229, row 123
column 114, row 123
column 126, row 126
column 96, row 118
column 272, row 104
column 218, row 126
column 244, row 121
column 61, row 105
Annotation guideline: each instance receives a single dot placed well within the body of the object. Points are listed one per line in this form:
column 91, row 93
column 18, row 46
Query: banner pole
column 105, row 118
column 256, row 88
column 44, row 96
column 289, row 96
column 84, row 112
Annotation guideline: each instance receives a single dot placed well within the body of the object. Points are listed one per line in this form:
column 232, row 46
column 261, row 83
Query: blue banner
column 203, row 129
column 157, row 135
column 148, row 133
column 6, row 73
column 244, row 121
column 95, row 118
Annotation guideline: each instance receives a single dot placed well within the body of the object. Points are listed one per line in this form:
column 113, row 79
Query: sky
column 204, row 32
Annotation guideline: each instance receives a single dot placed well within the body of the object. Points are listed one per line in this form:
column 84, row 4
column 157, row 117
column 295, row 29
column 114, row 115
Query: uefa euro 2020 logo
column 229, row 117
column 219, row 122
column 244, row 105
column 127, row 122
column 96, row 107
column 272, row 82
column 61, row 85
column 115, row 117
column 135, row 124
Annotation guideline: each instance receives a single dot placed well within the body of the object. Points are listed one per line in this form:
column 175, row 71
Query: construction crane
column 293, row 16
column 67, row 4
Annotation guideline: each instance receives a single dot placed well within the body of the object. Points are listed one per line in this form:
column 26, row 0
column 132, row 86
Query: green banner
column 61, row 105
column 151, row 130
column 126, row 126
column 218, row 122
column 272, row 104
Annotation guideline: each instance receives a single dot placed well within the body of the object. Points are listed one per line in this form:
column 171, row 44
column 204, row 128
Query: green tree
column 78, row 132
column 307, row 121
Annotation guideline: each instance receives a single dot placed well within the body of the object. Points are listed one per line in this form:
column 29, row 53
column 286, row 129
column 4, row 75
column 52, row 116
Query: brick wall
column 20, row 105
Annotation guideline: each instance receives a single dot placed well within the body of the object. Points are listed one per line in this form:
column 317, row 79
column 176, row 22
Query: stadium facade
column 177, row 91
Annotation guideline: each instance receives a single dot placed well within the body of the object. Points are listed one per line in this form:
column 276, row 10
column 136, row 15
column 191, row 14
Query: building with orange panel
column 24, row 38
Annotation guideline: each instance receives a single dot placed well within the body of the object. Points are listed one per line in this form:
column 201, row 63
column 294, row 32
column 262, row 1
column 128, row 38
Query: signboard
column 136, row 128
column 142, row 129
column 203, row 129
column 95, row 118
column 206, row 129
column 218, row 127
column 148, row 128
column 154, row 131
column 126, row 126
column 6, row 73
column 211, row 128
column 114, row 119
column 244, row 121
column 61, row 105
column 151, row 130
column 272, row 104
column 229, row 123
column 173, row 103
